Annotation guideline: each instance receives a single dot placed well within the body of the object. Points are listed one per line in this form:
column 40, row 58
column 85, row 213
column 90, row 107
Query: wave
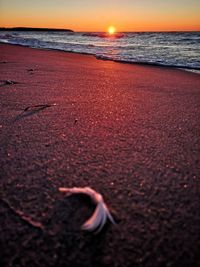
column 134, row 48
column 149, row 63
column 104, row 35
column 6, row 36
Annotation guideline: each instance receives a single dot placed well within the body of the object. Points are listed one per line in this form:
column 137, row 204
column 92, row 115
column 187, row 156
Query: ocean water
column 173, row 49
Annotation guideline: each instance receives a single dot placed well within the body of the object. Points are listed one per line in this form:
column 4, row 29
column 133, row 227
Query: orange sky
column 93, row 15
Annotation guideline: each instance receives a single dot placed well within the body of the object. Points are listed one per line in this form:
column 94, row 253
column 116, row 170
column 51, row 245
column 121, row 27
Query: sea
column 171, row 49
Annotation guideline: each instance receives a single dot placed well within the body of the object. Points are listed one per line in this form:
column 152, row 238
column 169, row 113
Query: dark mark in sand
column 36, row 107
column 30, row 71
column 28, row 220
column 31, row 110
column 7, row 82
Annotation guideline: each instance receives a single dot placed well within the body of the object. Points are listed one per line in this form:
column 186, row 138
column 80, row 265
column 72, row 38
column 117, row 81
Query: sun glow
column 111, row 30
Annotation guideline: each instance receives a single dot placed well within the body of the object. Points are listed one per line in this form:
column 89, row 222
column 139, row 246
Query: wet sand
column 130, row 132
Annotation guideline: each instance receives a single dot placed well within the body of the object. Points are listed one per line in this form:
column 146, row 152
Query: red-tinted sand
column 131, row 132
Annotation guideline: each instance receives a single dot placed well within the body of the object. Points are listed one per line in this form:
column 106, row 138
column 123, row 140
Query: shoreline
column 183, row 68
column 30, row 29
column 130, row 132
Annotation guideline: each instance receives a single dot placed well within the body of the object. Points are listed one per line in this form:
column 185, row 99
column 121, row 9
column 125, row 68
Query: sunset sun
column 111, row 30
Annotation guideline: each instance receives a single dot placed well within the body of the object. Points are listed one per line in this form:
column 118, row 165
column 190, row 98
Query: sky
column 98, row 15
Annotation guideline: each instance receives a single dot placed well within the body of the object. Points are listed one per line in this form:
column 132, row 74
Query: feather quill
column 98, row 219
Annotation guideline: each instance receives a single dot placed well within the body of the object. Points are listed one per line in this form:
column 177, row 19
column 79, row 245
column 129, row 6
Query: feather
column 98, row 219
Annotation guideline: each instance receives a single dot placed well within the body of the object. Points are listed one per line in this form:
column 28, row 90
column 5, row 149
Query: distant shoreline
column 69, row 30
column 34, row 29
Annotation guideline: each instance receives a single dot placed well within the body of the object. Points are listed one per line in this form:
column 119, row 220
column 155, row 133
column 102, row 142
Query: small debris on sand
column 98, row 219
column 7, row 82
column 31, row 110
column 39, row 107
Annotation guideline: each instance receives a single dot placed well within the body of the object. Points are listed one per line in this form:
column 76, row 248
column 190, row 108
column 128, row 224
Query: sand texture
column 130, row 132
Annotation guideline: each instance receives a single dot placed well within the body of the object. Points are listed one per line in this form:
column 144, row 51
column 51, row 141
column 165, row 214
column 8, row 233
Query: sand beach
column 129, row 131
